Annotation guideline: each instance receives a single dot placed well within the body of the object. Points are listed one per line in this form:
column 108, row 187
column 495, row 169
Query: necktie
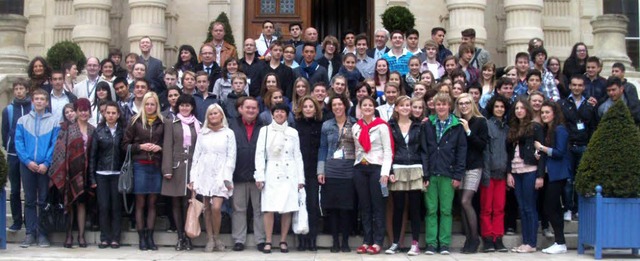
column 329, row 70
column 208, row 70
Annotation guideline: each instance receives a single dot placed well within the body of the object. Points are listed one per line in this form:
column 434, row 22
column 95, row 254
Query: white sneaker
column 547, row 232
column 392, row 250
column 567, row 216
column 414, row 251
column 555, row 249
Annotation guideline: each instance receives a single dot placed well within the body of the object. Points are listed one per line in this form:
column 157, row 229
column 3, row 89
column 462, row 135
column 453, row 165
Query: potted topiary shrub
column 63, row 52
column 611, row 166
column 398, row 18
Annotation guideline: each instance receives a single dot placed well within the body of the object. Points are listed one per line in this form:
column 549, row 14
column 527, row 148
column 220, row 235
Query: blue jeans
column 526, row 194
column 569, row 198
column 36, row 187
column 14, row 179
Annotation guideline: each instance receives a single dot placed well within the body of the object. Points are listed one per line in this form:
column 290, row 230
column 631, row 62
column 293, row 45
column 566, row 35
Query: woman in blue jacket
column 558, row 164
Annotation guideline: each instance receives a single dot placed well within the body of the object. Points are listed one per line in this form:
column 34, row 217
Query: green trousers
column 439, row 194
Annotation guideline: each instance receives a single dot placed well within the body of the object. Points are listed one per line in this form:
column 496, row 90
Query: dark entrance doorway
column 334, row 17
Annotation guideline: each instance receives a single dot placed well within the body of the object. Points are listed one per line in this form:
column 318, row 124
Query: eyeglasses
column 464, row 103
column 581, row 50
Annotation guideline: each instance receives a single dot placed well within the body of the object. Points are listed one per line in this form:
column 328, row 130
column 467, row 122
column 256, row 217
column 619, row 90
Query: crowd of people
column 375, row 135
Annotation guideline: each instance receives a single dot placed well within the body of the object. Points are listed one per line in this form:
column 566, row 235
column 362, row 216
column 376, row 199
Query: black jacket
column 245, row 150
column 309, row 131
column 336, row 62
column 448, row 156
column 106, row 153
column 583, row 117
column 229, row 105
column 527, row 150
column 408, row 153
column 477, row 142
column 254, row 74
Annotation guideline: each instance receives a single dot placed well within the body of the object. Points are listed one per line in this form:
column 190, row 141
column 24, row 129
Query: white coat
column 279, row 147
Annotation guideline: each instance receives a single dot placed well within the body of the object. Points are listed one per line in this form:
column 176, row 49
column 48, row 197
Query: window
column 631, row 10
column 277, row 7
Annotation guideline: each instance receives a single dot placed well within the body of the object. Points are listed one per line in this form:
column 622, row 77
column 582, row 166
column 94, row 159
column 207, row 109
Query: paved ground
column 14, row 252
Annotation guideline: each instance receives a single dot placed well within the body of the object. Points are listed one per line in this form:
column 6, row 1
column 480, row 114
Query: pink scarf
column 186, row 130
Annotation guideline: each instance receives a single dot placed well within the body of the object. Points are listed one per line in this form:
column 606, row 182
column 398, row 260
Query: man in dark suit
column 154, row 66
column 380, row 40
column 208, row 64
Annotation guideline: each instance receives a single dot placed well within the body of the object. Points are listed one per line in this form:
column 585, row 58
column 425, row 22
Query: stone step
column 162, row 224
column 167, row 239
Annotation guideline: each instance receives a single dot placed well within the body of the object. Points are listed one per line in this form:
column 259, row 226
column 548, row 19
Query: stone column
column 609, row 43
column 91, row 31
column 464, row 14
column 13, row 56
column 524, row 21
column 148, row 19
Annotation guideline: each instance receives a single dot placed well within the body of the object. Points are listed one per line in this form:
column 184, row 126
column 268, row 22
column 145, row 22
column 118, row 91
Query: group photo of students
column 386, row 133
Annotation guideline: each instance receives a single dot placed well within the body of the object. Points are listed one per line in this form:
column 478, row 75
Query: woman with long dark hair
column 187, row 61
column 525, row 171
column 335, row 171
column 308, row 117
column 69, row 168
column 105, row 161
column 577, row 61
column 103, row 94
column 558, row 163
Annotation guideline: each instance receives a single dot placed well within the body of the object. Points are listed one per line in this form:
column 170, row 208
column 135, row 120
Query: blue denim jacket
column 329, row 140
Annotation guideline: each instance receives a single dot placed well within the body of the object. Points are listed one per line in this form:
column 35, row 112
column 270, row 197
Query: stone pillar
column 92, row 32
column 609, row 43
column 148, row 19
column 13, row 56
column 524, row 21
column 464, row 14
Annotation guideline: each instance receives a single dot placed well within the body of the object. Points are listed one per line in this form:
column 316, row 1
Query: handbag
column 301, row 217
column 125, row 181
column 192, row 222
column 52, row 216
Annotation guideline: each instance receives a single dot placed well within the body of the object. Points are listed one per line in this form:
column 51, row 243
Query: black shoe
column 180, row 244
column 345, row 247
column 150, row 243
column 335, row 248
column 260, row 246
column 487, row 245
column 187, row 243
column 102, row 245
column 431, row 250
column 444, row 250
column 284, row 249
column 500, row 246
column 465, row 247
column 302, row 243
column 473, row 246
column 312, row 245
column 238, row 247
column 264, row 250
column 17, row 226
column 142, row 240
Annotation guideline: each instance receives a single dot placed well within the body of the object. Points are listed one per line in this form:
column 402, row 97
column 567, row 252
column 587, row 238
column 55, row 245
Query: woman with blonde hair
column 488, row 82
column 214, row 160
column 475, row 126
column 145, row 134
column 301, row 88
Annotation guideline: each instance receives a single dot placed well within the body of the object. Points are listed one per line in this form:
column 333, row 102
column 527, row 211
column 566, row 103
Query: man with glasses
column 208, row 64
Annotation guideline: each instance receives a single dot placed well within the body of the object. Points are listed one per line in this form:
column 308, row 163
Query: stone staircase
column 168, row 239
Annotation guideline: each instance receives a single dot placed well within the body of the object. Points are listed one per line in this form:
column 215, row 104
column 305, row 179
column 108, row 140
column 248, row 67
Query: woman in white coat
column 214, row 160
column 279, row 173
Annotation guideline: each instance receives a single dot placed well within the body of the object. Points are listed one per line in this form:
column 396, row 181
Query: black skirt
column 337, row 194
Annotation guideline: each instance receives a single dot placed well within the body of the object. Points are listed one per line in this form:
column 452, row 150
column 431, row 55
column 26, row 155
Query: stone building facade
column 503, row 27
